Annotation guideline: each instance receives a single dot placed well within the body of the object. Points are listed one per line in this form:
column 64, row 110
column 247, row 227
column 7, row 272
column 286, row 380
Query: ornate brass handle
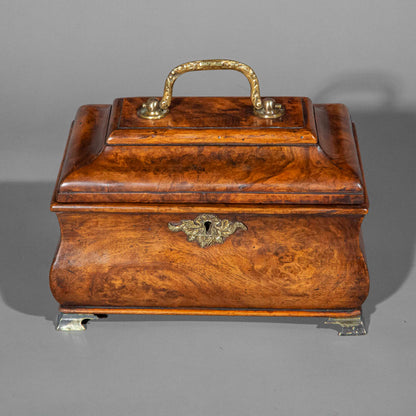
column 264, row 108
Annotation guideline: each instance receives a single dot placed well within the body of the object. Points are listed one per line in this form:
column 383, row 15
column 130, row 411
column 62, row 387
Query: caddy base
column 75, row 319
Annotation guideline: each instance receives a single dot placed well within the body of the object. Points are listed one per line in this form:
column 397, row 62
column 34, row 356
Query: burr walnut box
column 211, row 206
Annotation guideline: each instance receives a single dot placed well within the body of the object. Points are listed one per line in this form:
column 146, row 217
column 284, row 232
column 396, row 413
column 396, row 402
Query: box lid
column 229, row 150
column 212, row 150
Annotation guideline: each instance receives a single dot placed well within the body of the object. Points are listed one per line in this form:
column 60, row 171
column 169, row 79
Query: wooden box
column 211, row 206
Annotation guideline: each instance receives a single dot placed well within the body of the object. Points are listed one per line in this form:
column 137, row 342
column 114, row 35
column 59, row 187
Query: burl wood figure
column 211, row 206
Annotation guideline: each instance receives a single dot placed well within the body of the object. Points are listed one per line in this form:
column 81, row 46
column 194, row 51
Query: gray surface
column 57, row 55
column 217, row 366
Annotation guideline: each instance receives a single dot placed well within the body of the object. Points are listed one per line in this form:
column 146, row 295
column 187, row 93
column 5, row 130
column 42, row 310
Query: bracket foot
column 73, row 321
column 348, row 326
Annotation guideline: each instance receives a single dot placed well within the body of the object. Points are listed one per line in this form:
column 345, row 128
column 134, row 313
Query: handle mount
column 262, row 107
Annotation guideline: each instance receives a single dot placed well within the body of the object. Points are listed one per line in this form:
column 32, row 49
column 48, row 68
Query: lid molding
column 211, row 121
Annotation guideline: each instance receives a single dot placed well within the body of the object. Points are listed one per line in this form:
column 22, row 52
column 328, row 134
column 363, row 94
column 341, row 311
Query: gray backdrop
column 57, row 55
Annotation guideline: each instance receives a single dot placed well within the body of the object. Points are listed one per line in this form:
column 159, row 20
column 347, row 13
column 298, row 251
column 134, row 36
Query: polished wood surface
column 326, row 210
column 296, row 184
column 291, row 173
column 212, row 120
column 280, row 262
column 214, row 312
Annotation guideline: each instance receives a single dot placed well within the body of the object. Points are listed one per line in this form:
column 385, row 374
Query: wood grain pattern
column 211, row 174
column 325, row 210
column 280, row 262
column 212, row 120
column 296, row 183
column 243, row 174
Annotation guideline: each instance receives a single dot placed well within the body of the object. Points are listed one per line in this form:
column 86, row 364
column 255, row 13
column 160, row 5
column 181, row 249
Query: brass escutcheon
column 207, row 229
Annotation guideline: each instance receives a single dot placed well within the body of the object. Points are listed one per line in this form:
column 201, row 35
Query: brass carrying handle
column 264, row 108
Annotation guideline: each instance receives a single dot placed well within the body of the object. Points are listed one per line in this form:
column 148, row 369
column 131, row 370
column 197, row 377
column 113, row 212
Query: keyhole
column 207, row 225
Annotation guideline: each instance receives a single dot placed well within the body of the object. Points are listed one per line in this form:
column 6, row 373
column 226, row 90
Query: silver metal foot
column 349, row 326
column 73, row 321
